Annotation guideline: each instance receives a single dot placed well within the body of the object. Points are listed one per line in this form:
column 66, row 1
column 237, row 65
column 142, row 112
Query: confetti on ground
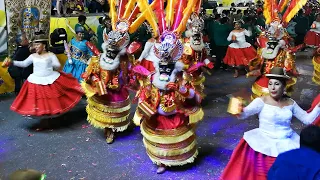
column 94, row 164
column 87, row 139
column 30, row 135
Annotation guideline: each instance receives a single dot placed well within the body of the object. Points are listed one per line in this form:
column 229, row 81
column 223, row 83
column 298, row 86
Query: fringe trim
column 101, row 125
column 88, row 90
column 137, row 118
column 175, row 163
column 101, row 117
column 166, row 139
column 316, row 80
column 196, row 116
column 108, row 109
column 316, row 64
column 168, row 152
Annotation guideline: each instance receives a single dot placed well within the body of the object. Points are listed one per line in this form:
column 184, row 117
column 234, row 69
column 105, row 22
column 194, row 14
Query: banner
column 27, row 16
column 3, row 30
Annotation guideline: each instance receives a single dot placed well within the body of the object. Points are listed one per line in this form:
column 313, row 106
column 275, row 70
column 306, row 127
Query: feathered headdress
column 272, row 8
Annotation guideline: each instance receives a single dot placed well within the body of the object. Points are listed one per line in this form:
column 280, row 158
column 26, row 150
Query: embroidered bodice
column 43, row 72
column 274, row 135
column 241, row 39
column 80, row 51
column 317, row 29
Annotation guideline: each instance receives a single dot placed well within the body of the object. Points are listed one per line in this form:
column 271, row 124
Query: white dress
column 241, row 39
column 317, row 29
column 274, row 135
column 43, row 73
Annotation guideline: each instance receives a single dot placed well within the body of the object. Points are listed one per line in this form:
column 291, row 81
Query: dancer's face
column 318, row 18
column 39, row 47
column 237, row 25
column 276, row 88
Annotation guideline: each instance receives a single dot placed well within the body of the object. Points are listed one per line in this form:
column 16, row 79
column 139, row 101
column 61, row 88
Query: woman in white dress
column 46, row 92
column 258, row 149
column 239, row 52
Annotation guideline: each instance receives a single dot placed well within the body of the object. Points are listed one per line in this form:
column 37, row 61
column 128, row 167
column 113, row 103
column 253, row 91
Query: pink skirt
column 239, row 56
column 312, row 39
column 247, row 164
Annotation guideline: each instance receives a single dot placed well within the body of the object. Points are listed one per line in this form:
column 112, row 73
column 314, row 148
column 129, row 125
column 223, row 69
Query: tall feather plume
column 170, row 12
column 113, row 13
column 186, row 15
column 178, row 16
column 268, row 10
column 293, row 9
column 282, row 5
column 121, row 8
column 198, row 7
column 129, row 9
column 147, row 14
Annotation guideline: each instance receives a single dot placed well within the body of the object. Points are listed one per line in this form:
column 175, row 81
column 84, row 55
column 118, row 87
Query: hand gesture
column 7, row 62
column 70, row 61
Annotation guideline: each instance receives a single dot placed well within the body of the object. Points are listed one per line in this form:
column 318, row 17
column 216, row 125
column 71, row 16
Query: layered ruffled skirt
column 260, row 87
column 247, row 164
column 171, row 140
column 109, row 111
column 316, row 72
column 312, row 39
column 52, row 99
column 239, row 56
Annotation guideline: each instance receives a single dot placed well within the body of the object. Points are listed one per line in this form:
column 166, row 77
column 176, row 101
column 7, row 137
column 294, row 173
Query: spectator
column 22, row 53
column 301, row 27
column 302, row 163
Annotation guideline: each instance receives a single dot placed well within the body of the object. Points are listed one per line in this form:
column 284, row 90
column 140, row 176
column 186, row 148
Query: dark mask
column 165, row 70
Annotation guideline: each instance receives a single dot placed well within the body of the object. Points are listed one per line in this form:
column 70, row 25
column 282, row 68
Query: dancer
column 312, row 37
column 79, row 52
column 46, row 92
column 196, row 54
column 239, row 53
column 168, row 107
column 275, row 49
column 316, row 65
column 258, row 149
column 106, row 77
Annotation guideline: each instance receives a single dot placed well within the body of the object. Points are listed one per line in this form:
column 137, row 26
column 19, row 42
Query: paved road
column 71, row 149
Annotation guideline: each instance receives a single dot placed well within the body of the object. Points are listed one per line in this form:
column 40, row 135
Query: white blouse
column 274, row 135
column 317, row 29
column 43, row 72
column 241, row 39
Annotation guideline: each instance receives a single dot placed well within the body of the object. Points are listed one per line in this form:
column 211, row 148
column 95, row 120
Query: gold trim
column 179, row 145
column 196, row 116
column 160, row 152
column 103, row 117
column 109, row 109
column 316, row 63
column 115, row 105
column 168, row 138
column 137, row 118
column 115, row 127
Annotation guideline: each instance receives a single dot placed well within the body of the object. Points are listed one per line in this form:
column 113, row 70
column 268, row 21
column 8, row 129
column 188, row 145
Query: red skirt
column 314, row 103
column 312, row 38
column 56, row 98
column 239, row 56
column 247, row 164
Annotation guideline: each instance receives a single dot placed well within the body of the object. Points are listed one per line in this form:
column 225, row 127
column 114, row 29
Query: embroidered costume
column 315, row 102
column 168, row 107
column 107, row 75
column 274, row 51
column 79, row 52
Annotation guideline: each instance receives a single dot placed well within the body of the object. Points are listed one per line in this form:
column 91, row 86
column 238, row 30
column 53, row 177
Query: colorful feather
column 170, row 12
column 178, row 18
column 293, row 9
column 112, row 13
column 186, row 15
column 129, row 8
column 282, row 5
column 121, row 7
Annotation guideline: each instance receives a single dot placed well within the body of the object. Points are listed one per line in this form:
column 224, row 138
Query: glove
column 70, row 61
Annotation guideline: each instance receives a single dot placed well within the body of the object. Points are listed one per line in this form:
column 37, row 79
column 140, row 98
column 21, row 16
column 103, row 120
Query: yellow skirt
column 171, row 147
column 316, row 72
column 6, row 82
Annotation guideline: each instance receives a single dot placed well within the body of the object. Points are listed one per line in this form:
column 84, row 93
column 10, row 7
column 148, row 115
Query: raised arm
column 253, row 108
column 24, row 63
column 303, row 116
